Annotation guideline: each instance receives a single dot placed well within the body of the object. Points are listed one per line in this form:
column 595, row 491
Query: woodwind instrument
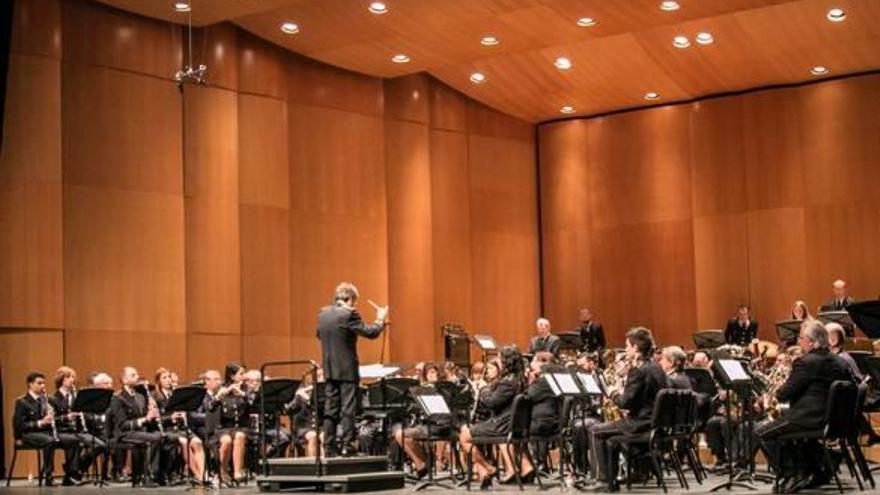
column 51, row 410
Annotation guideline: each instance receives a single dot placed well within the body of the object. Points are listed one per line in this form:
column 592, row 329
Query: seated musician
column 231, row 433
column 836, row 342
column 484, row 385
column 545, row 414
column 77, row 458
column 544, row 340
column 800, row 311
column 591, row 332
column 409, row 438
column 33, row 422
column 198, row 419
column 134, row 422
column 806, row 390
column 585, row 416
column 741, row 330
column 498, row 400
column 277, row 436
column 644, row 380
column 672, row 360
column 175, row 424
column 303, row 416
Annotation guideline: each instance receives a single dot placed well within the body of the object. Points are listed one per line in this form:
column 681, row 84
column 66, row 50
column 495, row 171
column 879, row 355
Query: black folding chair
column 853, row 438
column 19, row 446
column 517, row 440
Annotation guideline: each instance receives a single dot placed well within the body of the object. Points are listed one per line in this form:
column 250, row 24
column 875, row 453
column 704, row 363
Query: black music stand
column 788, row 331
column 187, row 400
column 277, row 394
column 570, row 341
column 434, row 407
column 457, row 345
column 94, row 401
column 708, row 339
column 841, row 317
column 866, row 316
column 701, row 381
column 486, row 344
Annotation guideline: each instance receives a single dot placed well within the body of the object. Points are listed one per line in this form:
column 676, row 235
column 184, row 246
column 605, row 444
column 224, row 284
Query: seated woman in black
column 302, row 416
column 499, row 401
column 408, row 438
column 231, row 434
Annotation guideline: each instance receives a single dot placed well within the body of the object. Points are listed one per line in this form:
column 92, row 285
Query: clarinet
column 51, row 410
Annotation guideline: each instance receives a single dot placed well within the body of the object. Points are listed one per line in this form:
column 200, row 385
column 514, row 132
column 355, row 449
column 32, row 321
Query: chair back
column 859, row 409
column 839, row 411
column 674, row 412
column 520, row 418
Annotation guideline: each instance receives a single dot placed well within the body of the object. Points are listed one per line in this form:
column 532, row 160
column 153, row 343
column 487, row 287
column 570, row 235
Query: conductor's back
column 338, row 329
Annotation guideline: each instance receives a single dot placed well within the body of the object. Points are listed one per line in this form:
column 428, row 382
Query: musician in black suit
column 741, row 329
column 841, row 300
column 644, row 381
column 32, row 423
column 339, row 326
column 672, row 360
column 544, row 341
column 77, row 459
column 591, row 332
column 806, row 391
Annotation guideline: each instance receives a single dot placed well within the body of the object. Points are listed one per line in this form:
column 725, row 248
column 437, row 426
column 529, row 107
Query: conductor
column 339, row 326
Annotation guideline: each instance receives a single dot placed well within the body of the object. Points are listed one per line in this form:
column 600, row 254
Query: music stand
column 457, row 345
column 94, row 401
column 841, row 317
column 186, row 400
column 701, row 381
column 733, row 377
column 433, row 405
column 486, row 344
column 563, row 384
column 788, row 331
column 708, row 339
column 866, row 316
column 570, row 341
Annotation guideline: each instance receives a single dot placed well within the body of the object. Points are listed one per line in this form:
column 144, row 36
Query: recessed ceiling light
column 669, row 6
column 182, row 6
column 704, row 38
column 489, row 40
column 651, row 96
column 819, row 70
column 378, row 8
column 681, row 42
column 836, row 15
column 562, row 63
column 400, row 59
column 478, row 78
column 567, row 109
column 586, row 22
column 289, row 28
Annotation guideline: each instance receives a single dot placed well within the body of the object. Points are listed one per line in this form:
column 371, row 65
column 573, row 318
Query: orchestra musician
column 741, row 330
column 644, row 380
column 836, row 341
column 409, row 438
column 74, row 423
column 277, row 436
column 544, row 340
column 840, row 300
column 231, row 434
column 175, row 425
column 497, row 399
column 34, row 423
column 591, row 332
column 672, row 361
column 303, row 416
column 800, row 311
column 339, row 326
column 806, row 391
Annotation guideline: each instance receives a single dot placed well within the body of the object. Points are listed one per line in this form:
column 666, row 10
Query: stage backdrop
column 145, row 225
column 671, row 217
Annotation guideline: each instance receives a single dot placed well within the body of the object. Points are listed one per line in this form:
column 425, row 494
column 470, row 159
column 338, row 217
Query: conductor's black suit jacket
column 808, row 386
column 338, row 331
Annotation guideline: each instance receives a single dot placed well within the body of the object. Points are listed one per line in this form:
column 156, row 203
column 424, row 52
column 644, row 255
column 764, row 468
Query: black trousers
column 154, row 443
column 340, row 407
column 605, row 456
column 717, row 437
column 805, row 458
column 582, row 442
column 66, row 441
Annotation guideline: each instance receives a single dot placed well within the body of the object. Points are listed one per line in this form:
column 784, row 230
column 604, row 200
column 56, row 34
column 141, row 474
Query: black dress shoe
column 799, row 483
column 419, row 474
column 67, row 481
column 486, row 482
column 49, row 481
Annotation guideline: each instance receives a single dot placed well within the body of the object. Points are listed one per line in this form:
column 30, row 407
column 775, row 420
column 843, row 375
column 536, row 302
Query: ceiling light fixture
column 669, row 6
column 704, row 38
column 567, row 109
column 489, row 40
column 681, row 42
column 378, row 8
column 586, row 22
column 562, row 63
column 836, row 15
column 819, row 70
column 652, row 96
column 289, row 28
column 478, row 78
column 400, row 59
column 182, row 6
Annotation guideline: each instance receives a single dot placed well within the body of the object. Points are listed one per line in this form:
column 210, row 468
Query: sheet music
column 486, row 342
column 589, row 383
column 377, row 370
column 566, row 383
column 734, row 370
column 553, row 385
column 434, row 404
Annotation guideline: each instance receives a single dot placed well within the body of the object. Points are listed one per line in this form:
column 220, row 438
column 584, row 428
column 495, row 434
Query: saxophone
column 615, row 382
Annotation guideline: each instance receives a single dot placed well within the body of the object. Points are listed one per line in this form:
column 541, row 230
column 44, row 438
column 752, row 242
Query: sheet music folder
column 788, row 331
column 866, row 315
column 377, row 370
column 563, row 384
column 486, row 342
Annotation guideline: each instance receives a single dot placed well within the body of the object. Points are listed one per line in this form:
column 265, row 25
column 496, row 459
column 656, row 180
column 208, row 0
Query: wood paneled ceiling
column 626, row 54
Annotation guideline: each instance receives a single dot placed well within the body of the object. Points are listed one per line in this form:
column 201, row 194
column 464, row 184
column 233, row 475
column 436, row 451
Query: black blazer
column 545, row 408
column 550, row 343
column 806, row 389
column 338, row 331
column 642, row 386
column 28, row 411
column 593, row 336
column 835, row 305
column 737, row 335
column 126, row 409
column 62, row 404
column 498, row 399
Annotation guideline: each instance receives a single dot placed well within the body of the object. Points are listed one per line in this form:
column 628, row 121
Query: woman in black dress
column 231, row 434
column 498, row 400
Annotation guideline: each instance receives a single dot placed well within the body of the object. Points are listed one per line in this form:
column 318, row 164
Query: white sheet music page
column 377, row 370
column 734, row 370
column 434, row 404
column 589, row 383
column 566, row 383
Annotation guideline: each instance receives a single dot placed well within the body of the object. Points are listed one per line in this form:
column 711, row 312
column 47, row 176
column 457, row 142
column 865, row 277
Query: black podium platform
column 340, row 475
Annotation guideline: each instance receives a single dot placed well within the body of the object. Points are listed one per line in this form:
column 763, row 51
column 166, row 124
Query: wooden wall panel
column 216, row 47
column 213, row 264
column 565, row 223
column 721, row 267
column 211, row 351
column 408, row 98
column 36, row 28
column 23, row 350
column 448, row 108
column 719, row 162
column 110, row 350
column 262, row 67
column 504, row 237
column 313, row 83
column 31, row 274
